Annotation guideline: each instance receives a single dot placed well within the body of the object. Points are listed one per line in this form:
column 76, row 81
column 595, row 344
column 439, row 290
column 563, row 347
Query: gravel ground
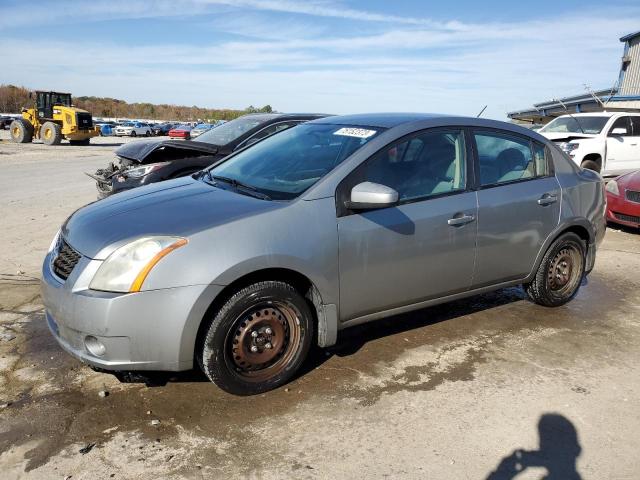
column 488, row 384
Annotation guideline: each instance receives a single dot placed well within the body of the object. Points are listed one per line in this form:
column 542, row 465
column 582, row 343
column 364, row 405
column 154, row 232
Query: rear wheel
column 51, row 133
column 21, row 131
column 560, row 273
column 258, row 339
column 147, row 133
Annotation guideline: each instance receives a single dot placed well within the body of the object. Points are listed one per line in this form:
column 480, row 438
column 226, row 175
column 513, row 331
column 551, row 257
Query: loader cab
column 46, row 100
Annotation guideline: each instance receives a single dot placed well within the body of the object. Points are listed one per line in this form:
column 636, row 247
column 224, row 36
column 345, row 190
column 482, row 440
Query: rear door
column 623, row 150
column 518, row 204
column 420, row 249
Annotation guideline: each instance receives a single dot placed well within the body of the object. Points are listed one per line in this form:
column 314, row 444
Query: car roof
column 265, row 117
column 383, row 120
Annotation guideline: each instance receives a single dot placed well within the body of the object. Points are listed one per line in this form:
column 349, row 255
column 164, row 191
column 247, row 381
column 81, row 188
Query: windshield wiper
column 250, row 189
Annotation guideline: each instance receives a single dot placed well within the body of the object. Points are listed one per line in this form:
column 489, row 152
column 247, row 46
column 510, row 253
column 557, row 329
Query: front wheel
column 133, row 133
column 560, row 272
column 258, row 339
column 51, row 133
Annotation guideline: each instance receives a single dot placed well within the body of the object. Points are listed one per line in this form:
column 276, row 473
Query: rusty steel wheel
column 258, row 339
column 560, row 273
column 264, row 340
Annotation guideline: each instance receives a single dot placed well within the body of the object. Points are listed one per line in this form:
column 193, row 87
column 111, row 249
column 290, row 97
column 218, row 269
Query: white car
column 132, row 130
column 607, row 142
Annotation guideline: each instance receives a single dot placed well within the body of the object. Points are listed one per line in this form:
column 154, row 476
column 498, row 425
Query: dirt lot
column 489, row 384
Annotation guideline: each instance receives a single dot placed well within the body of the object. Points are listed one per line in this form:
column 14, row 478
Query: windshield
column 230, row 131
column 575, row 124
column 283, row 166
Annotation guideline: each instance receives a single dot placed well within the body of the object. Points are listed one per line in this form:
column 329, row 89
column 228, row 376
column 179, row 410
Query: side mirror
column 618, row 131
column 369, row 195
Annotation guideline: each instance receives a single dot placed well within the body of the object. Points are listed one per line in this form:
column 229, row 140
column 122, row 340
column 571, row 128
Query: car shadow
column 352, row 339
column 558, row 452
column 623, row 228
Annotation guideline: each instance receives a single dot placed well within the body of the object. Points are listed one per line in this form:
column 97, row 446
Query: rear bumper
column 622, row 211
column 149, row 330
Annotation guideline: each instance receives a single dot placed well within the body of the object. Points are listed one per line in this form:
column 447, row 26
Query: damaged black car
column 149, row 161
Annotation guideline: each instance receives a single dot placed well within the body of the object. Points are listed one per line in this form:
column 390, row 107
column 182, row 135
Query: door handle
column 547, row 199
column 461, row 220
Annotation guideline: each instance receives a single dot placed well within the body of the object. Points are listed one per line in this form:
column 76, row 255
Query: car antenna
column 481, row 111
column 569, row 113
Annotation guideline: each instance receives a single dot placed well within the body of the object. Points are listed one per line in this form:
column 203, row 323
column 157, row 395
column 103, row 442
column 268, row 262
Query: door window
column 504, row 158
column 622, row 122
column 423, row 165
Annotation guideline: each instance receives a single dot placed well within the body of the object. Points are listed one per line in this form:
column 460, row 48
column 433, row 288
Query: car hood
column 630, row 180
column 566, row 136
column 179, row 207
column 138, row 151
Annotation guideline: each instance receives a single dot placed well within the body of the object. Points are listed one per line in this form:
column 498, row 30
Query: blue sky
column 334, row 56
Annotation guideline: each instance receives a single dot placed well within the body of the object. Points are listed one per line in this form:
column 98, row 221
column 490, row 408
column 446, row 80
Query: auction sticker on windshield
column 355, row 132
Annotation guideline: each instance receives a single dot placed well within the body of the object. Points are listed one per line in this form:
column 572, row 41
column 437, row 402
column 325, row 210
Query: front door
column 518, row 205
column 420, row 249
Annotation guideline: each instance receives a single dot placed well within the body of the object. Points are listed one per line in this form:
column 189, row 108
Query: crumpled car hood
column 141, row 149
column 179, row 207
column 566, row 136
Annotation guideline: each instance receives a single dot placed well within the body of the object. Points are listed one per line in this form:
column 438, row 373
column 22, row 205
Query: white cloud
column 301, row 66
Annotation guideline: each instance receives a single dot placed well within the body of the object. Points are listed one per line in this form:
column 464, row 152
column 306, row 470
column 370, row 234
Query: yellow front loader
column 53, row 118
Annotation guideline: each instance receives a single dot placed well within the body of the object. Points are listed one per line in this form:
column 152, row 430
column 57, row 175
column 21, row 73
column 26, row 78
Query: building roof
column 630, row 36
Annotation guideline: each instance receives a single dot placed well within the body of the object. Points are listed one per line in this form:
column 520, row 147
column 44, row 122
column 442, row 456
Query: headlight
column 569, row 147
column 612, row 187
column 142, row 171
column 126, row 268
column 54, row 242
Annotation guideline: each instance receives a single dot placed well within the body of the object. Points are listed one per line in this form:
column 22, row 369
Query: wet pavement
column 492, row 383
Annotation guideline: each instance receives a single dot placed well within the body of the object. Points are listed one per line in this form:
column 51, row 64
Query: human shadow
column 558, row 452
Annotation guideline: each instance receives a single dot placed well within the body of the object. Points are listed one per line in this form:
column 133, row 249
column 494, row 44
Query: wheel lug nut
column 254, row 334
column 268, row 346
column 254, row 349
column 268, row 331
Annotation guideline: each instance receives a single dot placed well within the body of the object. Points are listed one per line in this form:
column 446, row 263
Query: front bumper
column 622, row 211
column 149, row 330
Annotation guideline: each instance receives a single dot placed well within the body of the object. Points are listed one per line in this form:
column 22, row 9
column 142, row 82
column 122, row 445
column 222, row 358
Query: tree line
column 14, row 98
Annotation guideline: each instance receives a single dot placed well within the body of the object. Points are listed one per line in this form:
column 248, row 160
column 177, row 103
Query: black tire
column 147, row 133
column 591, row 165
column 21, row 131
column 51, row 133
column 560, row 272
column 133, row 133
column 84, row 142
column 271, row 317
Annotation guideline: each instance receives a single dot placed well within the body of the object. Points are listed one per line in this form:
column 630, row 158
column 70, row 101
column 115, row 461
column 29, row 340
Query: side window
column 635, row 126
column 623, row 123
column 422, row 165
column 541, row 158
column 503, row 158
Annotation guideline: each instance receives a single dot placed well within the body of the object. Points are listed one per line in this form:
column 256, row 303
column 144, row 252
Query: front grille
column 627, row 218
column 633, row 196
column 84, row 120
column 66, row 259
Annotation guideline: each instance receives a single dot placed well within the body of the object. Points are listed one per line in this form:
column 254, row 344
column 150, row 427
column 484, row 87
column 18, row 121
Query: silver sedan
column 240, row 268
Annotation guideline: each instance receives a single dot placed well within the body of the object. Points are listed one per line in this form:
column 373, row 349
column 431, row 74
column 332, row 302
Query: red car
column 181, row 131
column 623, row 200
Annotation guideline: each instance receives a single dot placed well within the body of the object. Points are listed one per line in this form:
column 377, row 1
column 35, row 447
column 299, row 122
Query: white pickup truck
column 607, row 142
